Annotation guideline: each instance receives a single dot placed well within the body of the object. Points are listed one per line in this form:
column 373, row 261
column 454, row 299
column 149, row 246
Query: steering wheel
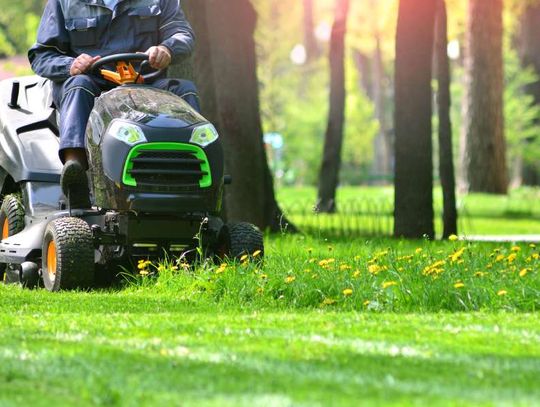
column 125, row 73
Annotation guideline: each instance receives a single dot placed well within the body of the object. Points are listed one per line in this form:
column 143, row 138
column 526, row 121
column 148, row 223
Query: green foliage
column 18, row 25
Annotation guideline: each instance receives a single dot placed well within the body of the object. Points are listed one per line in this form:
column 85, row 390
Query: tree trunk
column 413, row 216
column 226, row 75
column 529, row 52
column 446, row 159
column 310, row 42
column 329, row 173
column 485, row 150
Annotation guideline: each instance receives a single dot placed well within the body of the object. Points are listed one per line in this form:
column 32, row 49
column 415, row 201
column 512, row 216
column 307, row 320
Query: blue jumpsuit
column 70, row 28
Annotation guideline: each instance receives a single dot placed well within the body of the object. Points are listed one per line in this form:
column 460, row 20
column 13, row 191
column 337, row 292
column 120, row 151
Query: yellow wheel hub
column 5, row 229
column 51, row 260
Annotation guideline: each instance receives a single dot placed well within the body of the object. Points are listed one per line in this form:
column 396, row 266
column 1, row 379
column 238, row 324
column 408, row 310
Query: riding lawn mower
column 156, row 172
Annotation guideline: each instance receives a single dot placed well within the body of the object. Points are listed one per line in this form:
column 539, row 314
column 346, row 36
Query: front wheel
column 245, row 239
column 67, row 255
column 11, row 222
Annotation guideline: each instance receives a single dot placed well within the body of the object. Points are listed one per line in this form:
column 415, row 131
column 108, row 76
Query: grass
column 242, row 334
column 368, row 211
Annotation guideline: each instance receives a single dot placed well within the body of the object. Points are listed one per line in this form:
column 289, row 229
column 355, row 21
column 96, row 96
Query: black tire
column 245, row 238
column 11, row 215
column 67, row 255
column 11, row 222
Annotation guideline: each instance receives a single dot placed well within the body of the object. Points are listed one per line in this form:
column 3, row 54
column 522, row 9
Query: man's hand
column 159, row 57
column 82, row 64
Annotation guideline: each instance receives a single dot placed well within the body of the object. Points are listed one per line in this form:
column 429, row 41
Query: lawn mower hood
column 150, row 152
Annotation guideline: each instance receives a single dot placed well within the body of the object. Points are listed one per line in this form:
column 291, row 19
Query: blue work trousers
column 75, row 98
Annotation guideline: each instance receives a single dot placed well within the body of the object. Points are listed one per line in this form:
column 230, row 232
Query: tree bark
column 413, row 216
column 485, row 150
column 529, row 53
column 310, row 42
column 446, row 158
column 329, row 173
column 225, row 71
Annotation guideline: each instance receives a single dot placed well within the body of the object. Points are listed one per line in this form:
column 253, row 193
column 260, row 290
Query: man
column 73, row 34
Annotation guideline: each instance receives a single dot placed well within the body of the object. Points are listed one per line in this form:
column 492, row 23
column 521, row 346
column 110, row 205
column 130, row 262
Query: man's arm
column 50, row 55
column 175, row 33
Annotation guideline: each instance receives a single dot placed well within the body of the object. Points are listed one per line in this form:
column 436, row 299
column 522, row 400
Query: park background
column 362, row 143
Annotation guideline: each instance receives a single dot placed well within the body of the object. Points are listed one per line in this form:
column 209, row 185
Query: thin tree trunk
column 310, row 42
column 413, row 216
column 329, row 173
column 485, row 152
column 230, row 99
column 446, row 159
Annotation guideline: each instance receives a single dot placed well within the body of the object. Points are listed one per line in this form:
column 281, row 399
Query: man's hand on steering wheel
column 82, row 64
column 159, row 57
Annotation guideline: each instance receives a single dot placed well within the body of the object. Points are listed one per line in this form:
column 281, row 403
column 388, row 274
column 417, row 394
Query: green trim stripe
column 206, row 180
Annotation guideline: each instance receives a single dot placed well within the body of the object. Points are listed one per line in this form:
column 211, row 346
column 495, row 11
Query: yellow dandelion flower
column 459, row 284
column 290, row 279
column 456, row 256
column 347, row 292
column 328, row 301
column 499, row 257
column 387, row 284
column 516, row 249
column 418, row 250
column 374, row 269
column 523, row 272
column 532, row 245
column 500, row 293
column 144, row 272
column 453, row 238
column 511, row 257
column 344, row 267
column 367, row 302
column 536, row 256
column 357, row 273
column 256, row 253
column 480, row 274
column 244, row 257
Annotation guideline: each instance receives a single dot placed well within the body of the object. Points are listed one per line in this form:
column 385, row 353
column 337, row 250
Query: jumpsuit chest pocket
column 146, row 20
column 82, row 31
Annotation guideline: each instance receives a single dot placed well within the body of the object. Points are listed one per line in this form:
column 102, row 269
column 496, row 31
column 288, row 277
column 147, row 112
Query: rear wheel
column 11, row 222
column 67, row 255
column 245, row 239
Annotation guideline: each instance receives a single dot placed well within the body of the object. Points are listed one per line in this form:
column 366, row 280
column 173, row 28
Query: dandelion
column 328, row 301
column 347, row 292
column 374, row 269
column 256, row 253
column 356, row 274
column 143, row 264
column 532, row 246
column 536, row 256
column 387, row 284
column 523, row 272
column 244, row 257
column 456, row 256
column 511, row 257
column 221, row 268
column 344, row 267
column 459, row 284
column 366, row 303
column 480, row 274
column 290, row 279
column 499, row 257
column 144, row 272
column 516, row 249
column 418, row 250
column 453, row 238
column 500, row 293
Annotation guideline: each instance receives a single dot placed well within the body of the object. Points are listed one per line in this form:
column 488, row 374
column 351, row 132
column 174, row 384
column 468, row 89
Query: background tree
column 310, row 42
column 484, row 152
column 229, row 92
column 529, row 53
column 413, row 216
column 446, row 157
column 331, row 163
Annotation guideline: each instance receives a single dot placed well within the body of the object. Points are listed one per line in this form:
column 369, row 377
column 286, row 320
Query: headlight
column 126, row 132
column 204, row 135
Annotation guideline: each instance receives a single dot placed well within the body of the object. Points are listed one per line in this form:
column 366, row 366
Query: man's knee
column 81, row 82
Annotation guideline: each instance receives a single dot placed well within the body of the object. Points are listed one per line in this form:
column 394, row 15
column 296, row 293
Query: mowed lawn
column 320, row 323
